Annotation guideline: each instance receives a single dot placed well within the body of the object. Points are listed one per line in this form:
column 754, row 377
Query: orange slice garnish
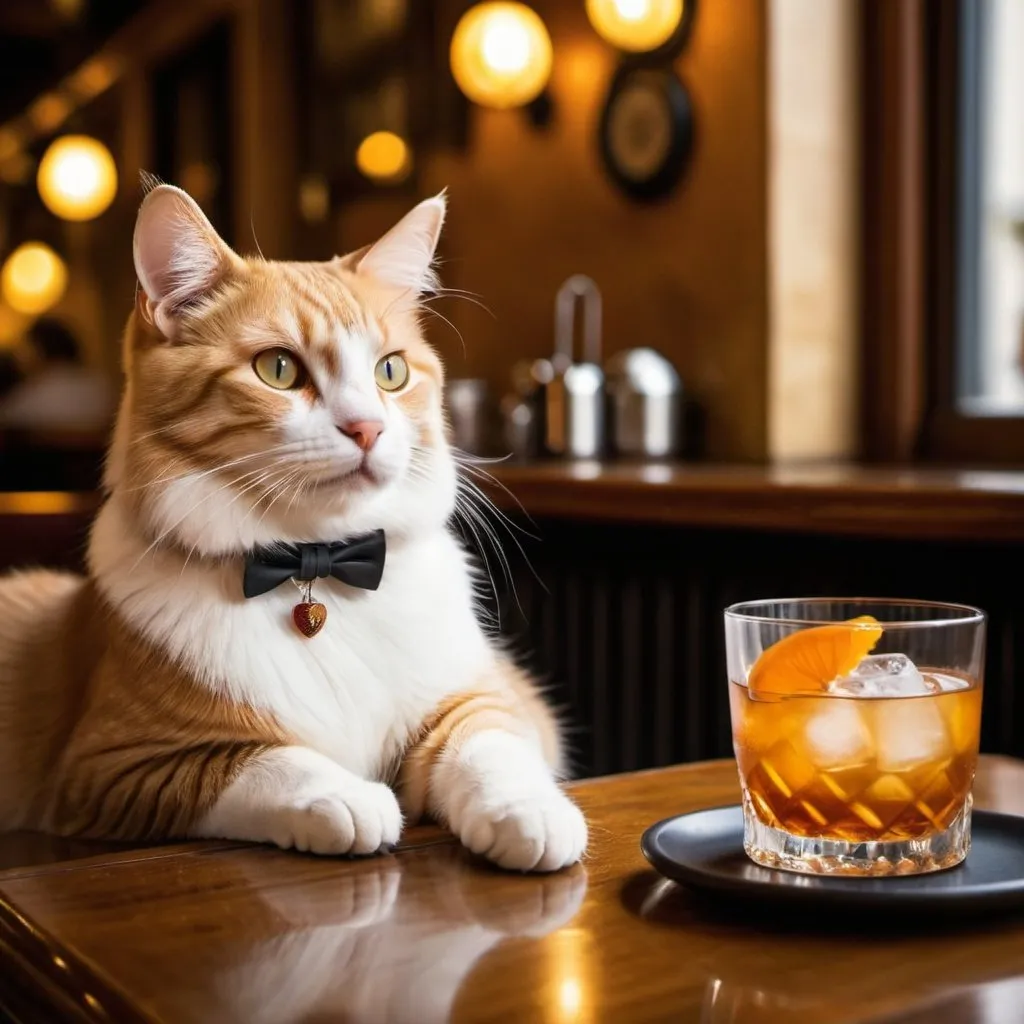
column 808, row 660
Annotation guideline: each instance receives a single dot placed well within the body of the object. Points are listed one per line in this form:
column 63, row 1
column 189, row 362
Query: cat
column 268, row 404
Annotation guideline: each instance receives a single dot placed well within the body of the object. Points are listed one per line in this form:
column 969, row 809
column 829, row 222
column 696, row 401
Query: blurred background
column 737, row 289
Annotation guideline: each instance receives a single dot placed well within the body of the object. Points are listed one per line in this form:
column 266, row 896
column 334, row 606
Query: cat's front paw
column 539, row 831
column 360, row 818
column 298, row 799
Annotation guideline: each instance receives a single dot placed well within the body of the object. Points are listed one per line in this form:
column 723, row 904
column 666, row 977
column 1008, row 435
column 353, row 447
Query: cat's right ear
column 179, row 257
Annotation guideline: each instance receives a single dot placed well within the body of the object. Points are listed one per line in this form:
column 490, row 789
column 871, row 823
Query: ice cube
column 943, row 683
column 837, row 736
column 883, row 675
column 910, row 733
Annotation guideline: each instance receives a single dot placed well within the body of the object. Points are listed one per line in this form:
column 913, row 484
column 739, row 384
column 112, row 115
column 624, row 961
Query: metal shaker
column 575, row 395
column 646, row 404
column 522, row 410
column 469, row 412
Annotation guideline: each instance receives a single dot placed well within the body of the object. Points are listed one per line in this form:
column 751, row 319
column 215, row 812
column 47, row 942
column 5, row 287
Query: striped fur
column 150, row 700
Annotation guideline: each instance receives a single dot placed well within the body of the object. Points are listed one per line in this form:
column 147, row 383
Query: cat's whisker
column 489, row 478
column 441, row 316
column 401, row 297
column 510, row 524
column 281, row 488
column 199, row 475
column 255, row 240
column 471, row 509
column 139, row 438
column 213, row 512
column 289, row 473
column 489, row 532
column 457, row 293
column 170, row 529
column 473, row 497
column 297, row 494
column 464, row 516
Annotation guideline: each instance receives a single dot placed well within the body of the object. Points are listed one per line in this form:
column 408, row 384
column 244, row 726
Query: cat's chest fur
column 359, row 688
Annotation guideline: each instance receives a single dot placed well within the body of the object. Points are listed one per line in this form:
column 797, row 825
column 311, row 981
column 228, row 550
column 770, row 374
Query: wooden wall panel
column 531, row 206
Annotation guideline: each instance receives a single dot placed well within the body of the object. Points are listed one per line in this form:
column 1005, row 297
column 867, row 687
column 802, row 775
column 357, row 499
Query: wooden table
column 220, row 932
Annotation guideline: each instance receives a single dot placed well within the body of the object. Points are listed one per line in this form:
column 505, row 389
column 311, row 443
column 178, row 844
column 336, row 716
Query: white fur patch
column 357, row 690
column 296, row 798
column 500, row 799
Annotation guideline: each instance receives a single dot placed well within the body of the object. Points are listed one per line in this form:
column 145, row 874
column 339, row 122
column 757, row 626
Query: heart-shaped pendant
column 309, row 617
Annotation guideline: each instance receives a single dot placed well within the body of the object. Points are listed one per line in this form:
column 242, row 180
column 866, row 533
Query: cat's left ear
column 404, row 257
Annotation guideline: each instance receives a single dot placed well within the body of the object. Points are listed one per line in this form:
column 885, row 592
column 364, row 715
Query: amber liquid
column 855, row 768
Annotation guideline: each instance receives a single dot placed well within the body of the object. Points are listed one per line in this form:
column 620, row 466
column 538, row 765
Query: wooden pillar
column 813, row 227
column 266, row 183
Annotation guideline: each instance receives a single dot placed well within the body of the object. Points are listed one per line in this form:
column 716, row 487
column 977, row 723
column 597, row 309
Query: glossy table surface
column 224, row 933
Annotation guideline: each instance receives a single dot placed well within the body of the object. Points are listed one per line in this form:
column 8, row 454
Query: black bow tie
column 359, row 563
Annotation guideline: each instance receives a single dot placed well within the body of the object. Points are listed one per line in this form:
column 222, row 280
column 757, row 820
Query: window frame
column 912, row 216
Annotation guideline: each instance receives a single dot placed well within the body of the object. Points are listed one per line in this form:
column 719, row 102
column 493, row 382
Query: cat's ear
column 179, row 257
column 404, row 257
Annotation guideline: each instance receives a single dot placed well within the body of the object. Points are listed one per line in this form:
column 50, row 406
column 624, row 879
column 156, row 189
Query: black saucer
column 704, row 850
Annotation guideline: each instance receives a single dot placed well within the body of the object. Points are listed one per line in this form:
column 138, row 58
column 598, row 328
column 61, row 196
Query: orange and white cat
column 272, row 403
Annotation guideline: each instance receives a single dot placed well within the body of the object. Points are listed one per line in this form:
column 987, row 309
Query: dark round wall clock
column 646, row 130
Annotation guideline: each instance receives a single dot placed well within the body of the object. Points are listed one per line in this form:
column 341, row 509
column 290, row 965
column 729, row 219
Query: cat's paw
column 298, row 799
column 360, row 818
column 539, row 831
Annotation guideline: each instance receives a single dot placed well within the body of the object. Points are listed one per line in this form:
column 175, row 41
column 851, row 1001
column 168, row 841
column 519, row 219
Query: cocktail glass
column 856, row 727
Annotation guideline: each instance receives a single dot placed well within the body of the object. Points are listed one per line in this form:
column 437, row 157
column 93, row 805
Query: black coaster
column 704, row 850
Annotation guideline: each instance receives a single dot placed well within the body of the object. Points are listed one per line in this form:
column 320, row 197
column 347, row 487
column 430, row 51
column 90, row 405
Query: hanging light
column 33, row 279
column 384, row 157
column 635, row 25
column 77, row 177
column 501, row 54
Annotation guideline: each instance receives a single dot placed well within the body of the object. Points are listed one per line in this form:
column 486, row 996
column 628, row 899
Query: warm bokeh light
column 17, row 169
column 571, row 962
column 77, row 178
column 501, row 54
column 9, row 144
column 635, row 25
column 12, row 325
column 94, row 76
column 314, row 198
column 570, row 998
column 49, row 112
column 33, row 279
column 383, row 156
column 71, row 9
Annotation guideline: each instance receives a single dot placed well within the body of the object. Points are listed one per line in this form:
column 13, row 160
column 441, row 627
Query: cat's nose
column 363, row 432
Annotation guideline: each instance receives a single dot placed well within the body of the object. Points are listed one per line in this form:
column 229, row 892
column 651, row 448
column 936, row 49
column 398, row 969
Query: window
column 943, row 247
column 990, row 321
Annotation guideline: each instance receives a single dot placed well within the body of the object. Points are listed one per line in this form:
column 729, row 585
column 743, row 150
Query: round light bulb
column 33, row 279
column 383, row 156
column 635, row 25
column 501, row 54
column 77, row 177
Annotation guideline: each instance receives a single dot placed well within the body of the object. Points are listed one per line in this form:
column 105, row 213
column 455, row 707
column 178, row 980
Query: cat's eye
column 391, row 372
column 278, row 368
